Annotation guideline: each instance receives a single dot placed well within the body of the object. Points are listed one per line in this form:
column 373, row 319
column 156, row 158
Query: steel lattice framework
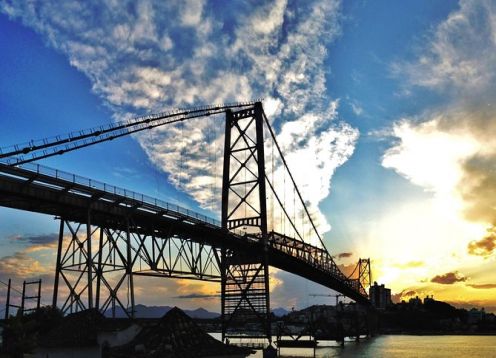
column 108, row 236
column 245, row 284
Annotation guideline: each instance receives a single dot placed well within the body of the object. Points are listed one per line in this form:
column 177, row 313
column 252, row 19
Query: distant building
column 415, row 301
column 428, row 299
column 380, row 296
column 475, row 315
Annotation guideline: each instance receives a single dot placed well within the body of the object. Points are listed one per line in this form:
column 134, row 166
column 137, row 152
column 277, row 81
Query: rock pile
column 176, row 335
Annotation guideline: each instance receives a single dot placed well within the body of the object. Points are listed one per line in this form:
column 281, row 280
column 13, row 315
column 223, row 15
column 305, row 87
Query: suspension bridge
column 109, row 236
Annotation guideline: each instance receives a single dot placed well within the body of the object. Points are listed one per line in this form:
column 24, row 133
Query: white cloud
column 461, row 54
column 191, row 12
column 430, row 157
column 356, row 108
column 150, row 56
column 449, row 150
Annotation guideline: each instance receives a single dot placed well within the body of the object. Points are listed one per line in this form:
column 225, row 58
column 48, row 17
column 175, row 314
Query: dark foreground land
column 88, row 333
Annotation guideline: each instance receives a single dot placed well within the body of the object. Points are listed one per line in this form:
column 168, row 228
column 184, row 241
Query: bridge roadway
column 45, row 190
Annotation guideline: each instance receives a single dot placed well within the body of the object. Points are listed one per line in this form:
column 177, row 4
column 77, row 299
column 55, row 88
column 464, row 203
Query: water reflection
column 400, row 346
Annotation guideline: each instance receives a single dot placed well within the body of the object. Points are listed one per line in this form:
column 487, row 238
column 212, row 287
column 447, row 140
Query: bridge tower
column 245, row 278
column 364, row 273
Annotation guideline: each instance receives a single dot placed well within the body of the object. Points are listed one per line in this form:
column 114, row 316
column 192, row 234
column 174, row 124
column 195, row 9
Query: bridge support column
column 99, row 269
column 58, row 264
column 89, row 260
column 129, row 267
column 77, row 266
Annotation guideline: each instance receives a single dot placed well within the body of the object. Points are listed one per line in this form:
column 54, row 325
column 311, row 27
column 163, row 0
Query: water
column 401, row 346
column 414, row 346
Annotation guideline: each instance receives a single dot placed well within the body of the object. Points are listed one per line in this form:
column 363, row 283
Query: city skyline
column 384, row 110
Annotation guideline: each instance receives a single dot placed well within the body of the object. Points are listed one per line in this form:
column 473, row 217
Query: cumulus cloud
column 485, row 246
column 448, row 278
column 149, row 56
column 21, row 265
column 403, row 295
column 449, row 150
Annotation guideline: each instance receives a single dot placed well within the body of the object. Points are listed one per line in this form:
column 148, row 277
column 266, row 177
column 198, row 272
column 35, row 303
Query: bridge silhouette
column 108, row 236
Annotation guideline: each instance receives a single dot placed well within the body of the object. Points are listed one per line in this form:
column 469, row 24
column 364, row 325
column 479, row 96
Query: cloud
column 460, row 55
column 449, row 149
column 198, row 296
column 45, row 239
column 485, row 246
column 483, row 286
column 21, row 265
column 150, row 56
column 403, row 295
column 347, row 270
column 344, row 255
column 356, row 108
column 410, row 264
column 448, row 278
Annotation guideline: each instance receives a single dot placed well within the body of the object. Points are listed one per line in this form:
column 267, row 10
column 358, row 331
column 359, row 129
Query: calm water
column 410, row 346
column 404, row 347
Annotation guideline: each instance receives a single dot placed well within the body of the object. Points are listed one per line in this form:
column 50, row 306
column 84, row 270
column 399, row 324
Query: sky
column 393, row 102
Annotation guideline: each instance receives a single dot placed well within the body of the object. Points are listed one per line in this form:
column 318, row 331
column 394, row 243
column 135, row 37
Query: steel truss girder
column 104, row 278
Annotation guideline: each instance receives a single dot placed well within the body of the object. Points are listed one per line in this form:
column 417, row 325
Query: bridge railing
column 317, row 257
column 111, row 189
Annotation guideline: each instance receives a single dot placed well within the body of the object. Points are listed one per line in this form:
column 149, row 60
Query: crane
column 327, row 295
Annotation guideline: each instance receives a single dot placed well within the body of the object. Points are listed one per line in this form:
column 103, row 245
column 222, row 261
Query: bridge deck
column 44, row 190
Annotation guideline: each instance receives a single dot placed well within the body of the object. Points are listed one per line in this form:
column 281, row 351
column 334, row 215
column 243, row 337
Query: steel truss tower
column 245, row 278
column 364, row 273
column 93, row 263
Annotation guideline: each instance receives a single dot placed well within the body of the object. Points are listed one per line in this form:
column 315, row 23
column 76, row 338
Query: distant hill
column 279, row 312
column 143, row 311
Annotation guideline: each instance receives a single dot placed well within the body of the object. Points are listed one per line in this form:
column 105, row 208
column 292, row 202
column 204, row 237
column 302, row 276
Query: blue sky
column 379, row 82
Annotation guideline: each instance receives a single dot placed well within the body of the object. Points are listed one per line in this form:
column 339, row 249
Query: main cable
column 101, row 134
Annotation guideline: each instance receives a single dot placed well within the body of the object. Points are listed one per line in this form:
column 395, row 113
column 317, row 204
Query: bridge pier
column 110, row 266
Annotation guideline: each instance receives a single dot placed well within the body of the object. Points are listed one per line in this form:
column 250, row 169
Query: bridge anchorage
column 109, row 236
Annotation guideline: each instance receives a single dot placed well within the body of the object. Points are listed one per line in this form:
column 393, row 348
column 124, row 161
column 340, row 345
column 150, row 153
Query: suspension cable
column 271, row 192
column 291, row 176
column 57, row 145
